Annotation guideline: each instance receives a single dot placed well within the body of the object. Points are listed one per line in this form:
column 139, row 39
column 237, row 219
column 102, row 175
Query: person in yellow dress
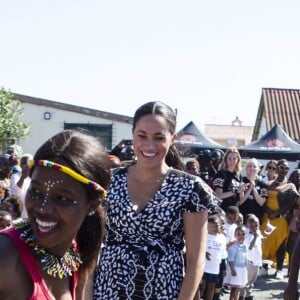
column 281, row 196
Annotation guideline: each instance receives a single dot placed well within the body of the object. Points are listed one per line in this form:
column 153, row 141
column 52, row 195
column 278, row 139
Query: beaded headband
column 50, row 164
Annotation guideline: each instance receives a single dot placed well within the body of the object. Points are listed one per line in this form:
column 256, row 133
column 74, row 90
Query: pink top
column 40, row 289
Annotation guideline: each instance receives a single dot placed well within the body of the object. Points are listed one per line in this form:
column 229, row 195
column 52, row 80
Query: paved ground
column 268, row 287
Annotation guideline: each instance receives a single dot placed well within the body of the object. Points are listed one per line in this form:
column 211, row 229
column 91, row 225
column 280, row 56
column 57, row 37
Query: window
column 102, row 131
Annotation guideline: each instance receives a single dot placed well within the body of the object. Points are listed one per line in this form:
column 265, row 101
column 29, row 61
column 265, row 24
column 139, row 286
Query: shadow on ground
column 269, row 288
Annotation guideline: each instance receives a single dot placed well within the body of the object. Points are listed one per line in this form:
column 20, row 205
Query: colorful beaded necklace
column 54, row 265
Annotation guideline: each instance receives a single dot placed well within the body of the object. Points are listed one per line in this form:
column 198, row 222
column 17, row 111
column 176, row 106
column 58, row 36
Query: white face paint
column 49, row 185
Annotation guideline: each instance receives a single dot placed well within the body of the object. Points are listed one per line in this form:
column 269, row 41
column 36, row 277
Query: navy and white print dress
column 142, row 253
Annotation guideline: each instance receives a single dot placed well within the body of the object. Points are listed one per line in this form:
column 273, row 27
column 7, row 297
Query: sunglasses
column 271, row 168
column 283, row 168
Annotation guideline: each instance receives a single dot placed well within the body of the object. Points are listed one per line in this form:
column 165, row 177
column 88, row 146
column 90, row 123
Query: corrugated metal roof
column 279, row 106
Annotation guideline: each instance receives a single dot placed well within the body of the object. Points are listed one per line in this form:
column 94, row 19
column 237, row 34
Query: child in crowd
column 215, row 253
column 192, row 166
column 240, row 220
column 236, row 275
column 231, row 219
column 5, row 219
column 14, row 206
column 253, row 242
column 218, row 292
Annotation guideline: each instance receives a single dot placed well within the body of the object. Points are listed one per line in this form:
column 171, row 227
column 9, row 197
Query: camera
column 204, row 158
column 127, row 142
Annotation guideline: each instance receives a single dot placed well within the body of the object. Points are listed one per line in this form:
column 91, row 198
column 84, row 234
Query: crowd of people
column 140, row 222
column 270, row 198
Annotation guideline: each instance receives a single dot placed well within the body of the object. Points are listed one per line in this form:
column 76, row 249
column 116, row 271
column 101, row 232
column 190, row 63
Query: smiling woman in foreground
column 153, row 211
column 51, row 255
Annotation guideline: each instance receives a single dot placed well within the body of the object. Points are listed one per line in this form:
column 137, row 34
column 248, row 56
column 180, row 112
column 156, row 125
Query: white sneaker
column 279, row 275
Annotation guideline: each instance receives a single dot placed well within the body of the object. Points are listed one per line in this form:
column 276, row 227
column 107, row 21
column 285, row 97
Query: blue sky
column 208, row 59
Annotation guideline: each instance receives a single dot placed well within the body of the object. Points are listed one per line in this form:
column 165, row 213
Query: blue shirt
column 238, row 254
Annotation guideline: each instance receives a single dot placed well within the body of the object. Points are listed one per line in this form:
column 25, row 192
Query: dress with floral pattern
column 142, row 253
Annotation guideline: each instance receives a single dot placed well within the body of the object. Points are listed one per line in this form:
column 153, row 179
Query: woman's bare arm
column 195, row 227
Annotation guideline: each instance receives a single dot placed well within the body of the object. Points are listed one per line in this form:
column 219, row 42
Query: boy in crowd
column 215, row 253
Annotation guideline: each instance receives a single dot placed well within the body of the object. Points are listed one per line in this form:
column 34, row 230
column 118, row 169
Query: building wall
column 41, row 129
column 229, row 135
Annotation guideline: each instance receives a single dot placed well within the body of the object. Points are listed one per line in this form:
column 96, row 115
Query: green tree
column 11, row 126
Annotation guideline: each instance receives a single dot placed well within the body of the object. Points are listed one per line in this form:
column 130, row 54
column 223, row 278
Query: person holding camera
column 210, row 162
column 124, row 151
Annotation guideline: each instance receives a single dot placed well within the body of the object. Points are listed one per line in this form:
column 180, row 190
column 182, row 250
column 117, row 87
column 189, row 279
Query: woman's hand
column 242, row 187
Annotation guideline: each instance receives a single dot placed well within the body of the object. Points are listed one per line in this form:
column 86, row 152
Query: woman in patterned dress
column 153, row 211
